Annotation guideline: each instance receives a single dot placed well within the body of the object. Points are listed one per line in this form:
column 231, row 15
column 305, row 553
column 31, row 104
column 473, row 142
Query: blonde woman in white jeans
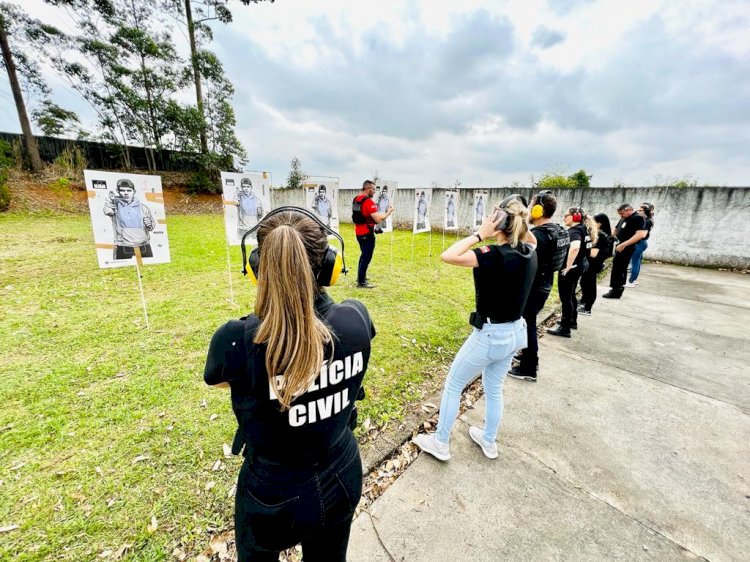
column 504, row 269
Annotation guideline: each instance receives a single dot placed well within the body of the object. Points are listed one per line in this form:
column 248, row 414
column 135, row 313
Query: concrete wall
column 704, row 226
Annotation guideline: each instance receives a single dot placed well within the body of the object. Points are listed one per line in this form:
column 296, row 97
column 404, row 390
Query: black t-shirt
column 318, row 419
column 626, row 228
column 503, row 279
column 604, row 245
column 649, row 226
column 579, row 233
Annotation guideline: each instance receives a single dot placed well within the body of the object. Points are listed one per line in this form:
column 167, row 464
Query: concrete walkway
column 633, row 445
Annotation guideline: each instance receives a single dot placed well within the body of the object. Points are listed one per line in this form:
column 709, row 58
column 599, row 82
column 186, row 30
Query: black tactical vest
column 560, row 242
column 357, row 216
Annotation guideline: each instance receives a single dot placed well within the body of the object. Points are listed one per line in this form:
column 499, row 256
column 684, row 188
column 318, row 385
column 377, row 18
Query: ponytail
column 285, row 304
column 518, row 222
column 592, row 228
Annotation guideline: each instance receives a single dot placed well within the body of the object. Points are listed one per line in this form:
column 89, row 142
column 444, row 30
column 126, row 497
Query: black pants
column 126, row 252
column 367, row 246
column 566, row 288
column 620, row 269
column 277, row 507
column 534, row 305
column 588, row 283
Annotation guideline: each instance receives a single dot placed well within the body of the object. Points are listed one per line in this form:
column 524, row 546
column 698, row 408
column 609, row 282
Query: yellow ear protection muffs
column 331, row 267
column 537, row 211
column 503, row 204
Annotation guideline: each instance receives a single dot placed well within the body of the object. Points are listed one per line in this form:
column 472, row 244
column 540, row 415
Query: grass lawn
column 108, row 435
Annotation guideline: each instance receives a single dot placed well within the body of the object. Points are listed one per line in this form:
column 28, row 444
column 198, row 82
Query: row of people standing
column 578, row 253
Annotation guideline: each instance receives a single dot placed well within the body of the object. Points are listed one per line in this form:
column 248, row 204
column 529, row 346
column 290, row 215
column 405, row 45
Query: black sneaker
column 517, row 373
column 574, row 325
column 559, row 331
column 612, row 295
column 584, row 312
column 365, row 285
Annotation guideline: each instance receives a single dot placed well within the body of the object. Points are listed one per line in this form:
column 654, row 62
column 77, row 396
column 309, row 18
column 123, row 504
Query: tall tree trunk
column 196, row 76
column 31, row 147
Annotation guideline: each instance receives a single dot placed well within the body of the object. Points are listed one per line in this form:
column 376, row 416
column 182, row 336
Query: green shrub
column 203, row 182
column 555, row 181
column 71, row 162
column 4, row 190
column 6, row 155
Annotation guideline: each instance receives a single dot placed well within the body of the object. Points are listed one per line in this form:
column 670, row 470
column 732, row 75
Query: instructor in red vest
column 365, row 217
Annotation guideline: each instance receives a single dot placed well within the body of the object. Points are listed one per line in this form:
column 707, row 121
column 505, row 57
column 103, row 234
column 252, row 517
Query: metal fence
column 109, row 156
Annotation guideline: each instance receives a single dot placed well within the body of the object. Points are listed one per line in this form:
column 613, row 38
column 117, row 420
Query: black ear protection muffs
column 503, row 215
column 537, row 211
column 331, row 267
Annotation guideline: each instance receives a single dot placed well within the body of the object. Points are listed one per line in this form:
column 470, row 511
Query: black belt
column 477, row 320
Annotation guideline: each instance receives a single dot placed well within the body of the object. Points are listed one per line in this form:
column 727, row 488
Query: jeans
column 277, row 507
column 127, row 252
column 620, row 269
column 588, row 283
column 367, row 246
column 635, row 261
column 534, row 305
column 566, row 288
column 489, row 350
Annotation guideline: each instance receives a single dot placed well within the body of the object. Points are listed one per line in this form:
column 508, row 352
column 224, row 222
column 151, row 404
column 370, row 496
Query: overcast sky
column 486, row 93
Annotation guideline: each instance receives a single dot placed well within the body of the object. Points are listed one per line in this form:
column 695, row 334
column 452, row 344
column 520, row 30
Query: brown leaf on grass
column 202, row 558
column 106, row 553
column 18, row 465
column 218, row 545
column 140, row 458
column 7, row 427
column 204, row 403
column 227, row 451
column 120, row 552
column 217, row 465
column 98, row 470
column 232, row 491
column 212, row 417
column 8, row 528
column 179, row 554
column 210, row 485
column 153, row 525
column 111, row 502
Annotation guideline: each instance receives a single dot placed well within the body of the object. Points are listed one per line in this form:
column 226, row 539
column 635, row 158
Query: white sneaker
column 631, row 285
column 489, row 449
column 429, row 444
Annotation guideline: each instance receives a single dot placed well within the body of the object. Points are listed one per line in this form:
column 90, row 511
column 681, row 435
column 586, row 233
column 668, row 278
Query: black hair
column 548, row 202
column 603, row 220
column 366, row 183
column 624, row 206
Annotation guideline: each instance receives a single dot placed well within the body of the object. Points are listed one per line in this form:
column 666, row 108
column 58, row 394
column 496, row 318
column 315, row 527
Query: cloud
column 544, row 37
column 563, row 7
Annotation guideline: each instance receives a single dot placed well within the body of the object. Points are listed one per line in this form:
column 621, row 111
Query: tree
column 296, row 176
column 10, row 17
column 53, row 120
column 195, row 14
column 581, row 179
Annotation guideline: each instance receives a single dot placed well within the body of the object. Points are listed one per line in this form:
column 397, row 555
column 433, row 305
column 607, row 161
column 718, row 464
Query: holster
column 476, row 320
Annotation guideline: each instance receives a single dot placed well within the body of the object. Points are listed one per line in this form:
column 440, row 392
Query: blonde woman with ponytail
column 583, row 232
column 294, row 367
column 503, row 268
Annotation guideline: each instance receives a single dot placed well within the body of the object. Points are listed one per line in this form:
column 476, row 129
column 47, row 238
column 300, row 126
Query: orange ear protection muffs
column 537, row 211
column 331, row 267
column 503, row 204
